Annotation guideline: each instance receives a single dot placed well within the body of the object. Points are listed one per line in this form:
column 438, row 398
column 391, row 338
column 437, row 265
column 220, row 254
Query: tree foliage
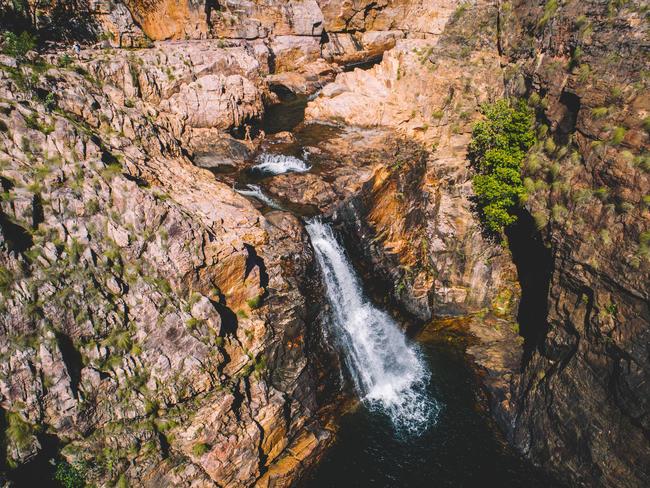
column 69, row 476
column 18, row 45
column 499, row 145
column 57, row 20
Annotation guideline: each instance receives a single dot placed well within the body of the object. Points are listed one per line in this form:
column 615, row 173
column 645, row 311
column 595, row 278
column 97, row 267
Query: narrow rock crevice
column 210, row 6
column 534, row 263
column 567, row 124
column 238, row 399
column 262, row 457
column 38, row 216
column 72, row 359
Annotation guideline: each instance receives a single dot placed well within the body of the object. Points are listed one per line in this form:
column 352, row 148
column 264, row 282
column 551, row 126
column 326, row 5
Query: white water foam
column 256, row 192
column 277, row 164
column 314, row 95
column 388, row 372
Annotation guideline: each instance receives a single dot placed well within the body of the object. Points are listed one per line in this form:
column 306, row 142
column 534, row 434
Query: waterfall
column 277, row 164
column 387, row 371
column 256, row 192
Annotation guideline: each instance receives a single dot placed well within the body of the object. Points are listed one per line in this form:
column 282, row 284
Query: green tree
column 497, row 150
column 18, row 45
column 31, row 9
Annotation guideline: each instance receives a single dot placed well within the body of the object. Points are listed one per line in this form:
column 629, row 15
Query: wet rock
column 217, row 151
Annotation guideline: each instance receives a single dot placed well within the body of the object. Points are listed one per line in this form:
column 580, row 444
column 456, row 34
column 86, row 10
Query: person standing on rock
column 77, row 49
column 247, row 133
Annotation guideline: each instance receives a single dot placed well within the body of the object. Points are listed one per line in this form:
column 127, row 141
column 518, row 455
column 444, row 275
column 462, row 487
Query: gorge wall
column 157, row 323
column 579, row 406
column 584, row 392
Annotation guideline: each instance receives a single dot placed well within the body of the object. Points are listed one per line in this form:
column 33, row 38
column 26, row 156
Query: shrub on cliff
column 69, row 476
column 499, row 145
column 17, row 45
column 200, row 448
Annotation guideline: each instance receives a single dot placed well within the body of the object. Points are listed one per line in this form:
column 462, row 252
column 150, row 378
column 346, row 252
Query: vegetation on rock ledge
column 69, row 476
column 498, row 148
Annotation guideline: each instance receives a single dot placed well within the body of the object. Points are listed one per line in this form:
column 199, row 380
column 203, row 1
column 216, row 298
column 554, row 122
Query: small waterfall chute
column 256, row 191
column 388, row 371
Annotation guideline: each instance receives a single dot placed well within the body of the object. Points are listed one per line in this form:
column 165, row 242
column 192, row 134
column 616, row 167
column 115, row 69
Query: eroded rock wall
column 429, row 91
column 297, row 31
column 172, row 19
column 584, row 393
column 152, row 319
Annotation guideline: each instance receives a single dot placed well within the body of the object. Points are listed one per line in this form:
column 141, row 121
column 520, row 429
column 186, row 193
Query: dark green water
column 463, row 449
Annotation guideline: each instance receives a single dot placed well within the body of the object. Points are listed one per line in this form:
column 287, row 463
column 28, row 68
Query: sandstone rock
column 8, row 61
column 570, row 373
column 420, row 92
column 116, row 21
column 292, row 52
column 419, row 18
column 190, row 85
column 214, row 101
column 233, row 19
column 307, row 79
column 305, row 18
column 139, row 291
column 170, row 19
column 379, row 41
column 214, row 150
column 597, row 288
column 357, row 47
column 146, row 260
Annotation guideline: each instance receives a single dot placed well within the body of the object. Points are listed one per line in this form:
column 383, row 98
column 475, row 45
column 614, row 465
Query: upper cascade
column 277, row 164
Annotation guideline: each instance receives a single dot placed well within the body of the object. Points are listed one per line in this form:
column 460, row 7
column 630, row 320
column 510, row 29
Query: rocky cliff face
column 584, row 392
column 152, row 319
column 297, row 31
column 414, row 220
column 429, row 91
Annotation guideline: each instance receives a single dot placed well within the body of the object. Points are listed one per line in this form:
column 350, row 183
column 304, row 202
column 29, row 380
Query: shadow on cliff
column 53, row 21
column 534, row 263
